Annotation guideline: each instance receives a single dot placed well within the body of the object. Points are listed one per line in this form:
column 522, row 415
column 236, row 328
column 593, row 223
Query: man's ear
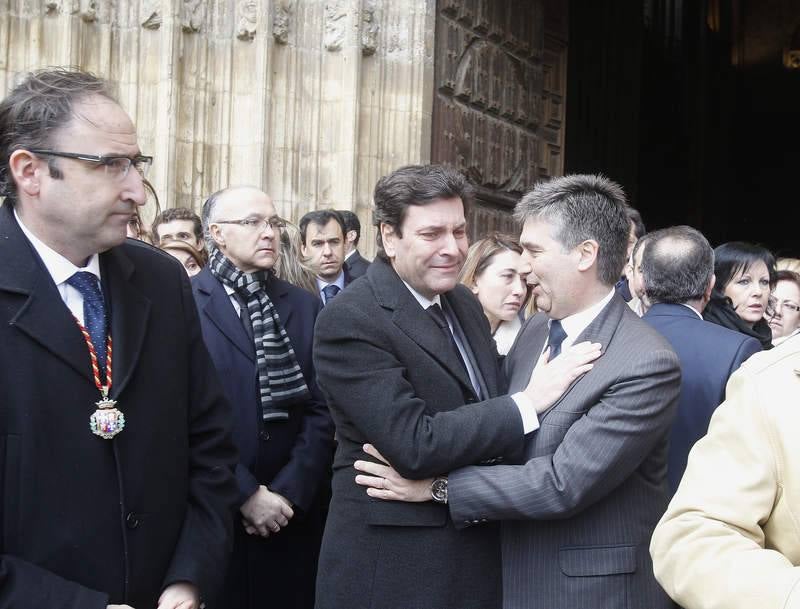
column 26, row 171
column 587, row 252
column 350, row 237
column 389, row 238
column 216, row 234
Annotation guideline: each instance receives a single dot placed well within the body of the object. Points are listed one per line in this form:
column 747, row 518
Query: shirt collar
column 424, row 302
column 692, row 309
column 575, row 324
column 339, row 282
column 350, row 254
column 60, row 268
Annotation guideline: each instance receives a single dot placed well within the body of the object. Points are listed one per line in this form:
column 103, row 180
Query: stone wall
column 312, row 100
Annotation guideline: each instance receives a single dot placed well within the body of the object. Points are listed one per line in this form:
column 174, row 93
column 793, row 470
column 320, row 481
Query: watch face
column 439, row 490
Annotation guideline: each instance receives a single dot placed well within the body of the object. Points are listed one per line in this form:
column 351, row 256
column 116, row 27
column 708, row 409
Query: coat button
column 131, row 520
column 264, row 435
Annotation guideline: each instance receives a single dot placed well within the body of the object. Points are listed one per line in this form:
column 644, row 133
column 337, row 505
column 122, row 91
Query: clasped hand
column 266, row 512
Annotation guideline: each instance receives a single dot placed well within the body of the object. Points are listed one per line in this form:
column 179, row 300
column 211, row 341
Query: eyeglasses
column 116, row 165
column 259, row 224
column 773, row 305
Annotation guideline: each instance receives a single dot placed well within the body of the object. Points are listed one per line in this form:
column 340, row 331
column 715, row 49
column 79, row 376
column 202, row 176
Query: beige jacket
column 731, row 535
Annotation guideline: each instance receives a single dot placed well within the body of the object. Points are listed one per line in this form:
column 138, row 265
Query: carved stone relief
column 88, row 10
column 151, row 13
column 369, row 28
column 281, row 20
column 247, row 19
column 192, row 15
column 335, row 24
column 51, row 7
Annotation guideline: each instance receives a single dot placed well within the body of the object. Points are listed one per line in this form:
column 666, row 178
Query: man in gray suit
column 579, row 511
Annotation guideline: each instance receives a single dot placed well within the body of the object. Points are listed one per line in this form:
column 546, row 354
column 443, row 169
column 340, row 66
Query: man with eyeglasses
column 258, row 330
column 115, row 442
column 323, row 234
column 677, row 268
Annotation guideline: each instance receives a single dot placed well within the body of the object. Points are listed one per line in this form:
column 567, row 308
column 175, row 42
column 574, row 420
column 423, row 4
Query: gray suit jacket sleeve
column 600, row 450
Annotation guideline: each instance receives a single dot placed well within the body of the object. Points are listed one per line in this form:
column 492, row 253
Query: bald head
column 242, row 223
column 677, row 266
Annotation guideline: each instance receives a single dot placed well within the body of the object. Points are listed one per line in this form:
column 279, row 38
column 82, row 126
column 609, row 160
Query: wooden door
column 500, row 70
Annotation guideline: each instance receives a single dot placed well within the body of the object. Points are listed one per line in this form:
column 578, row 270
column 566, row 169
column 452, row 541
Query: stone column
column 311, row 100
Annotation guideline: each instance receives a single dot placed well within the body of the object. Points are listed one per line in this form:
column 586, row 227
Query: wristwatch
column 439, row 489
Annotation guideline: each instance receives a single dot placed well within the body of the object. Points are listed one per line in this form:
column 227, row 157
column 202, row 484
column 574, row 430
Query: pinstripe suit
column 578, row 515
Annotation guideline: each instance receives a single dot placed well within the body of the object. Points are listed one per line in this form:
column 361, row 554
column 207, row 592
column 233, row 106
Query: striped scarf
column 280, row 379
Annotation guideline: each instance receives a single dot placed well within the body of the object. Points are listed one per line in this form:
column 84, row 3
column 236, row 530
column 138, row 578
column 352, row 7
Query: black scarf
column 280, row 379
column 720, row 311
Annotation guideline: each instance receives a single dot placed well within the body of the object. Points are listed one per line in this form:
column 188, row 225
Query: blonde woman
column 491, row 271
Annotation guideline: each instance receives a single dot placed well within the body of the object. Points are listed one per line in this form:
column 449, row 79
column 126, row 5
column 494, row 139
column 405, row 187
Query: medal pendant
column 107, row 421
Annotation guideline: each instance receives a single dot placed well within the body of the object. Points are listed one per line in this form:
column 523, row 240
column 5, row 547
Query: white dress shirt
column 321, row 285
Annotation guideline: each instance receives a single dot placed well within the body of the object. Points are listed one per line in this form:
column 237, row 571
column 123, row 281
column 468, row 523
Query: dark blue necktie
column 330, row 291
column 94, row 311
column 555, row 337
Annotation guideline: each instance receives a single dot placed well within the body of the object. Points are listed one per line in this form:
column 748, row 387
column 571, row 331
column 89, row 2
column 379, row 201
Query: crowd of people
column 585, row 414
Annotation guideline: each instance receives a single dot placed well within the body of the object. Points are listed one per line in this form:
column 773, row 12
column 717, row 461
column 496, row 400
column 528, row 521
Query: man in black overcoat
column 116, row 458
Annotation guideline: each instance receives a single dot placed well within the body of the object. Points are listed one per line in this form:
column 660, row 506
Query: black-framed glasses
column 259, row 224
column 116, row 165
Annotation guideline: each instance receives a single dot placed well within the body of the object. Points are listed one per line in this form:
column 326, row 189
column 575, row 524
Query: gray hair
column 209, row 207
column 677, row 265
column 582, row 207
column 39, row 106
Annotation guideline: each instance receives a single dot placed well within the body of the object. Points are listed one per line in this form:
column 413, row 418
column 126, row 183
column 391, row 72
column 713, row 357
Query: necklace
column 107, row 421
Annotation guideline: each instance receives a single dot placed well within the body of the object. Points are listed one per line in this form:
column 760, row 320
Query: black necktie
column 244, row 314
column 330, row 291
column 435, row 311
column 555, row 337
column 94, row 311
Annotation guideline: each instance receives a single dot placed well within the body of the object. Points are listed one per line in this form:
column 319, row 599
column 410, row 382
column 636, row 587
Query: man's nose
column 134, row 188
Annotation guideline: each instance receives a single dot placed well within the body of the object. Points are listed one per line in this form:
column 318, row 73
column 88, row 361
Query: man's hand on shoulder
column 180, row 595
column 266, row 512
column 551, row 378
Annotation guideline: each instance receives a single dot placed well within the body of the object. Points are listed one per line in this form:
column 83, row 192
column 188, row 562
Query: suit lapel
column 600, row 330
column 482, row 356
column 415, row 322
column 40, row 313
column 527, row 349
column 279, row 296
column 219, row 309
column 130, row 311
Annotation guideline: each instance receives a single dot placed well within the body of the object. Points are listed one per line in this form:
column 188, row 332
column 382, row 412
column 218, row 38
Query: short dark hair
column 351, row 222
column 677, row 265
column 635, row 218
column 39, row 106
column 415, row 185
column 582, row 207
column 735, row 256
column 320, row 217
column 177, row 213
